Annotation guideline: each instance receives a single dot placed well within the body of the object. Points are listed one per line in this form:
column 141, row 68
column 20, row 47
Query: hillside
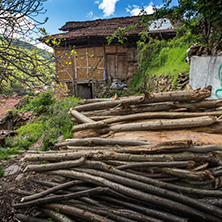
column 41, row 52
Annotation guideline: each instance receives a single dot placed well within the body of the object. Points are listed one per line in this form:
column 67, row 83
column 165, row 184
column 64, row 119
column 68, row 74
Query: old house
column 84, row 60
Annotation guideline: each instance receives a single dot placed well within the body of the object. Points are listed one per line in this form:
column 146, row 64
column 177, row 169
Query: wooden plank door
column 117, row 67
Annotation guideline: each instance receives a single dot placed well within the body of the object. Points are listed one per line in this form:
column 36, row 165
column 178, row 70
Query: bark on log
column 100, row 141
column 105, row 212
column 48, row 191
column 55, row 166
column 160, row 201
column 182, row 96
column 205, row 149
column 154, row 115
column 79, row 213
column 183, row 164
column 95, row 118
column 188, row 175
column 163, row 147
column 153, row 107
column 210, row 157
column 162, row 124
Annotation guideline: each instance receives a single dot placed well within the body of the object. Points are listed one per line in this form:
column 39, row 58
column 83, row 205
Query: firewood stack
column 104, row 179
column 159, row 111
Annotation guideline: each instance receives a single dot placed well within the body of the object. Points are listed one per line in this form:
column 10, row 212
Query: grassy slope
column 161, row 58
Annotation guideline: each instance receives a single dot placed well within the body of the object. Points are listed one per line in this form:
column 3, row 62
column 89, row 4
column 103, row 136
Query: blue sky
column 62, row 11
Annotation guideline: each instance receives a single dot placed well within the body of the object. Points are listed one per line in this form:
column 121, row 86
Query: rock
column 13, row 169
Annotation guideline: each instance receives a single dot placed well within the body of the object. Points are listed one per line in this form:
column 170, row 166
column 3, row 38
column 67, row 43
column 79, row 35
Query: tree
column 201, row 17
column 18, row 23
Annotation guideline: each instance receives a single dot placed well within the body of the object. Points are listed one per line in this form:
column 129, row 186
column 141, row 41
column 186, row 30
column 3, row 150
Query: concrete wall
column 207, row 71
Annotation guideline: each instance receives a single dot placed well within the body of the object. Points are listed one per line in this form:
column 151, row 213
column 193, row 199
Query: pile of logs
column 159, row 111
column 123, row 180
column 102, row 179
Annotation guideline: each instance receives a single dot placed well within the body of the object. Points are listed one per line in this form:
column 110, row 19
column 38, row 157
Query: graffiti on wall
column 220, row 79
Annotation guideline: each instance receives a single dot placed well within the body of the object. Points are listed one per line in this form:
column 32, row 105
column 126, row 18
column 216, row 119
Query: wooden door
column 117, row 67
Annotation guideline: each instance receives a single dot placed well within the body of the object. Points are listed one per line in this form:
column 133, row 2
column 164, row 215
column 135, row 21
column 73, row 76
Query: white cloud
column 108, row 7
column 90, row 14
column 135, row 9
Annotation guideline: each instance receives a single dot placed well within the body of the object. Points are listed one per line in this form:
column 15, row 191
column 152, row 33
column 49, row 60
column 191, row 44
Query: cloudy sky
column 62, row 11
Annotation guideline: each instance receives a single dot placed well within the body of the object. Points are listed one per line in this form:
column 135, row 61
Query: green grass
column 161, row 58
column 174, row 62
column 5, row 153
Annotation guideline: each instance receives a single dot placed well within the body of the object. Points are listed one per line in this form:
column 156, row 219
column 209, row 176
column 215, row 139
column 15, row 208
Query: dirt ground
column 16, row 181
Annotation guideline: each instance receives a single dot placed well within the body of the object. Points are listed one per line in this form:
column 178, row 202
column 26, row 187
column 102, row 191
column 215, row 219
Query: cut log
column 181, row 96
column 77, row 212
column 154, row 107
column 188, row 175
column 160, row 201
column 163, row 124
column 55, row 166
column 80, row 117
column 185, row 164
column 106, row 155
column 153, row 190
column 164, row 147
column 157, row 183
column 146, row 210
column 48, row 191
column 101, row 141
column 95, row 118
column 87, row 101
column 153, row 115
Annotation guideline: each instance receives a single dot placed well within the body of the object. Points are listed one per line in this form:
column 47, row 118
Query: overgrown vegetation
column 162, row 58
column 5, row 153
column 51, row 121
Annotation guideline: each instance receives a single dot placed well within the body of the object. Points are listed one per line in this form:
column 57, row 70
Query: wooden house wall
column 80, row 64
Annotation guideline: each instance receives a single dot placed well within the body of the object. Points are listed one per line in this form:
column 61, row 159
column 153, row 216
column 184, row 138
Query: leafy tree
column 18, row 21
column 201, row 17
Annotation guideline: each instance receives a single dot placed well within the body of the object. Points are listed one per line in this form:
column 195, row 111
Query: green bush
column 58, row 121
column 39, row 104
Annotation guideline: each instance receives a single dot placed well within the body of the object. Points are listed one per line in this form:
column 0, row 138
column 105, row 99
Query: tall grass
column 162, row 58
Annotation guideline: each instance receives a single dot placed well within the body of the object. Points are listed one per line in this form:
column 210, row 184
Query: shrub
column 49, row 125
column 39, row 104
